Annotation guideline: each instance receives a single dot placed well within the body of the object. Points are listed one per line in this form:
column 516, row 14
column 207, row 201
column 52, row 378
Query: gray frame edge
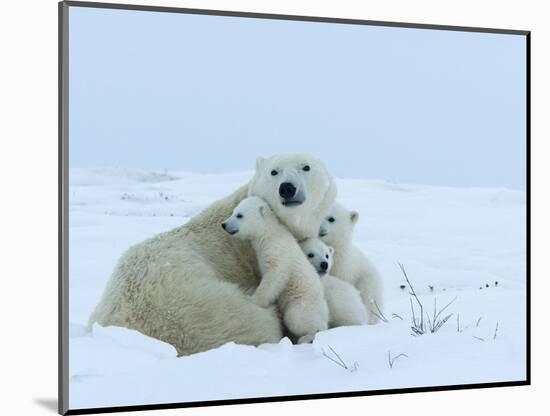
column 300, row 18
column 63, row 208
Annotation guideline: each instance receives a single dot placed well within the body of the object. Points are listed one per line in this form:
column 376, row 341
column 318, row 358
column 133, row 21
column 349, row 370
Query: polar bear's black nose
column 324, row 265
column 223, row 225
column 287, row 190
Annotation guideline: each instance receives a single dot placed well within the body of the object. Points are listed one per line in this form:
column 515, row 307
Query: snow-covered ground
column 463, row 243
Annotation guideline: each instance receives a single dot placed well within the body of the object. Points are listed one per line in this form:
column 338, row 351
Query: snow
column 455, row 240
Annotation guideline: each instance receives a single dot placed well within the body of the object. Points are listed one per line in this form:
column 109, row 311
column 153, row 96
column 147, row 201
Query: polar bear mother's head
column 298, row 188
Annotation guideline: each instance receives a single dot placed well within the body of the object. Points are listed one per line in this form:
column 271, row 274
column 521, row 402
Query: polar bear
column 350, row 264
column 187, row 286
column 287, row 277
column 344, row 301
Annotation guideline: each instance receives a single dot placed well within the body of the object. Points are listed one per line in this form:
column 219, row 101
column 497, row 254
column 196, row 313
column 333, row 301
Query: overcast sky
column 209, row 94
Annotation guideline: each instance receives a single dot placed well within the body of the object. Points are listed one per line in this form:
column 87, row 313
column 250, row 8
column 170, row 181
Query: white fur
column 287, row 277
column 316, row 184
column 187, row 286
column 350, row 264
column 344, row 301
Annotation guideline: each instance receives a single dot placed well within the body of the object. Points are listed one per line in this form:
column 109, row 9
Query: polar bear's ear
column 262, row 210
column 354, row 216
column 331, row 250
column 259, row 162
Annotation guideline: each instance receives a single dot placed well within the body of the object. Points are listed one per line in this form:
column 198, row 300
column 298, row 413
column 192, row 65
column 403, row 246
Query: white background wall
column 28, row 95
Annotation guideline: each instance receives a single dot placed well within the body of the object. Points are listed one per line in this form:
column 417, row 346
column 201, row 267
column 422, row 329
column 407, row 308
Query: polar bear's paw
column 306, row 339
column 249, row 291
column 260, row 300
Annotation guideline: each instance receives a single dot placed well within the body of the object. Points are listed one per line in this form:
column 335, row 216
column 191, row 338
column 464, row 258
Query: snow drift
column 468, row 244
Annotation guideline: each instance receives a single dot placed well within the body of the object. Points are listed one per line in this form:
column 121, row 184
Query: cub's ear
column 331, row 250
column 259, row 162
column 262, row 210
column 354, row 216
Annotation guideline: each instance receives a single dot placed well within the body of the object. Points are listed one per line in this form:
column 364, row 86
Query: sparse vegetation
column 431, row 324
column 379, row 314
column 391, row 360
column 437, row 322
column 394, row 315
column 339, row 361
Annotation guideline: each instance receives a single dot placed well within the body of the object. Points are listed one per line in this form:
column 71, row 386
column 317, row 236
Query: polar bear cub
column 350, row 264
column 344, row 301
column 287, row 277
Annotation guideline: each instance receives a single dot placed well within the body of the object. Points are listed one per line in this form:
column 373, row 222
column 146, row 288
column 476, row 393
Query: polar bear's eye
column 310, row 255
column 239, row 216
column 306, row 168
column 331, row 219
column 326, row 256
column 274, row 173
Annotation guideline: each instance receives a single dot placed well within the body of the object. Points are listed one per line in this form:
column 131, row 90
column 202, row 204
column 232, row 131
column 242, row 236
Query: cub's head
column 319, row 254
column 337, row 226
column 298, row 188
column 249, row 218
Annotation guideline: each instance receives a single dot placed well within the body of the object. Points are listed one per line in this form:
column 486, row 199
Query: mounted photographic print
column 264, row 207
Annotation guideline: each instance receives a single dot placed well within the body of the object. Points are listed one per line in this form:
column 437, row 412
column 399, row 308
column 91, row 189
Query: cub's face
column 319, row 254
column 338, row 225
column 248, row 218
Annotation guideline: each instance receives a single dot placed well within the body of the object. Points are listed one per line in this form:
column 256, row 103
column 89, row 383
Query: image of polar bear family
column 274, row 258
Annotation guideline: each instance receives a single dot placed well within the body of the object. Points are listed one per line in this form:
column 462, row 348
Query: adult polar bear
column 187, row 286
